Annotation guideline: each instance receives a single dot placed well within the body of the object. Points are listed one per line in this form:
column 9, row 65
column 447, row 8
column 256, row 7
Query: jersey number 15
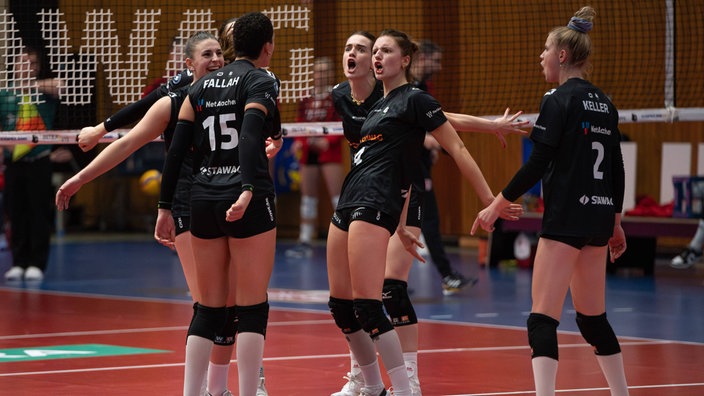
column 225, row 130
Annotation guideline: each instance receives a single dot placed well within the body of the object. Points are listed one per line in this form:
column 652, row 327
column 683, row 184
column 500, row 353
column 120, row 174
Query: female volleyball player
column 353, row 100
column 577, row 153
column 229, row 116
column 203, row 55
column 90, row 137
column 371, row 204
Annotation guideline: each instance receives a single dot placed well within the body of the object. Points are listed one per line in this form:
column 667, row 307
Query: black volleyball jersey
column 218, row 100
column 134, row 111
column 581, row 123
column 387, row 159
column 177, row 97
column 353, row 115
column 182, row 193
column 182, row 79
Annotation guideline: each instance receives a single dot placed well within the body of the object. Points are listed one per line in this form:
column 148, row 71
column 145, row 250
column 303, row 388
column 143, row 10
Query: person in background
column 32, row 105
column 693, row 252
column 319, row 155
column 427, row 62
column 577, row 153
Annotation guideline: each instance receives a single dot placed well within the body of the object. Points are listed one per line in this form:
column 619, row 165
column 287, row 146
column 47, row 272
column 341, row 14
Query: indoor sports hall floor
column 111, row 314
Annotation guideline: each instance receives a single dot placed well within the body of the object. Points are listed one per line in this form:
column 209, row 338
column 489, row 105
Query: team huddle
column 217, row 205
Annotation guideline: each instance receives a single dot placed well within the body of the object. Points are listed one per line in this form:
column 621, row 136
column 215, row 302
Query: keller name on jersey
column 594, row 103
column 598, row 107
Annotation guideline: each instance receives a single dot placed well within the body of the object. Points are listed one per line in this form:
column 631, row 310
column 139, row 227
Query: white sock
column 389, row 347
column 197, row 357
column 363, row 353
column 411, row 360
column 544, row 375
column 698, row 239
column 399, row 380
column 372, row 376
column 354, row 365
column 309, row 213
column 306, row 233
column 612, row 367
column 250, row 351
column 217, row 378
column 204, row 385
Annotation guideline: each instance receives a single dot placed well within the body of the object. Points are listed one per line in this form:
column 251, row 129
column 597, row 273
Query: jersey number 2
column 599, row 159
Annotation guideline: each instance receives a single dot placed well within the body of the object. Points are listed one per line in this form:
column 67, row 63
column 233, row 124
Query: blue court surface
column 667, row 306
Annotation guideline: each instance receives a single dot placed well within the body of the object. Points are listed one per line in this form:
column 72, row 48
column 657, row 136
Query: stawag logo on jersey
column 219, row 170
column 596, row 200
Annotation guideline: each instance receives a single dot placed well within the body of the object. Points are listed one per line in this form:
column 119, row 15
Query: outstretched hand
column 89, row 138
column 499, row 207
column 507, row 124
column 512, row 212
column 66, row 191
column 410, row 242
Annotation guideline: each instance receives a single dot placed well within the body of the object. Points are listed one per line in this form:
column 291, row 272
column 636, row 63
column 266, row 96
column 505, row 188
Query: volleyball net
column 648, row 56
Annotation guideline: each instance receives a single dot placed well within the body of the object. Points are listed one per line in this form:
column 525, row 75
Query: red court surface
column 305, row 353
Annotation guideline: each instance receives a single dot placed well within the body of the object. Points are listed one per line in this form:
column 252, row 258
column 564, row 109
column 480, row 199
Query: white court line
column 294, row 358
column 576, row 390
column 145, row 330
column 434, row 319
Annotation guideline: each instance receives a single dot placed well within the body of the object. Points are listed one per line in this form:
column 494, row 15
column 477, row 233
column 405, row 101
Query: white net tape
column 335, row 128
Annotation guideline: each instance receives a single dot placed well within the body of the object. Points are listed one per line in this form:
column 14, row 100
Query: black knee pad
column 597, row 331
column 207, row 321
column 542, row 335
column 226, row 335
column 342, row 312
column 253, row 318
column 370, row 314
column 397, row 303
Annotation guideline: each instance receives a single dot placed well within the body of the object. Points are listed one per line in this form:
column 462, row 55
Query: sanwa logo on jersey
column 596, row 200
